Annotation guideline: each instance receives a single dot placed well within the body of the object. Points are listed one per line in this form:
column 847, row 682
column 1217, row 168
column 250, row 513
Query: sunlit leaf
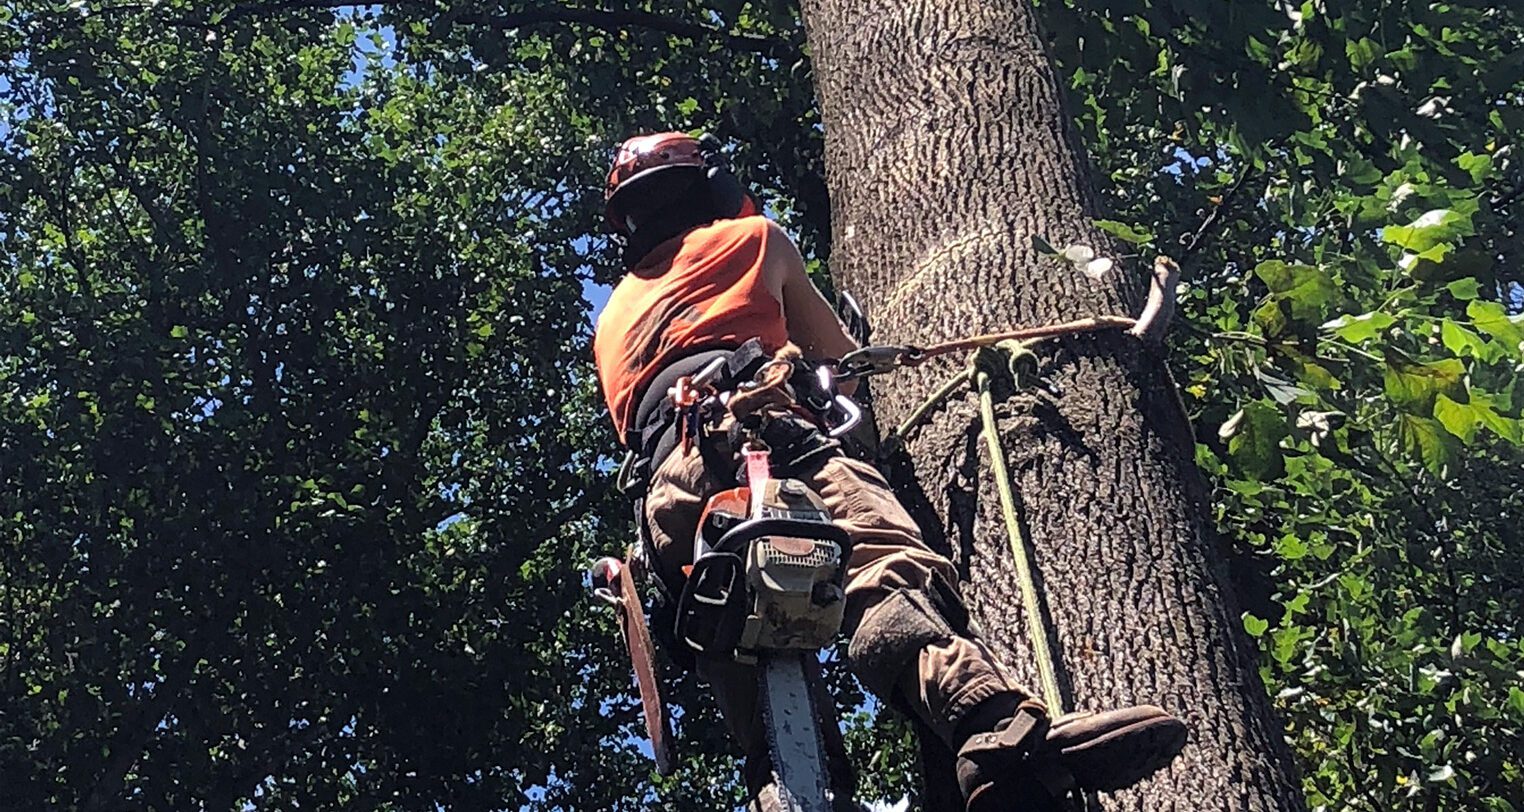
column 1359, row 328
column 1431, row 229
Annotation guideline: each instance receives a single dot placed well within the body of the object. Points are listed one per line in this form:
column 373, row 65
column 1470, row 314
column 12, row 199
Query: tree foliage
column 302, row 454
column 1345, row 188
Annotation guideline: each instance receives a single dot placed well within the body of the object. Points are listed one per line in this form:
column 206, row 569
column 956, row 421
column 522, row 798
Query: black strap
column 652, row 435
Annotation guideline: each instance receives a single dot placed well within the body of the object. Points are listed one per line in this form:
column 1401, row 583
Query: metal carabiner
column 875, row 360
column 708, row 373
column 853, row 412
column 630, row 473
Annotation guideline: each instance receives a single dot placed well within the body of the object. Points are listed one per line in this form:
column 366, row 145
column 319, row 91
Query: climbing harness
column 766, row 583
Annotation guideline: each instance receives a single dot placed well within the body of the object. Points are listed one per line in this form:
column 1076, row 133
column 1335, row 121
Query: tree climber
column 706, row 275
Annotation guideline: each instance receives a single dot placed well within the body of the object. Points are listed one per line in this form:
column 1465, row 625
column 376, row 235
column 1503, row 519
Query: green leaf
column 1464, row 289
column 1360, row 328
column 1355, row 586
column 1310, row 372
column 1123, row 231
column 1270, row 317
column 1412, row 386
column 1477, row 165
column 1463, row 342
column 1427, row 440
column 1492, row 319
column 1425, row 266
column 1279, row 389
column 1506, row 428
column 1255, row 444
column 1360, row 170
column 1361, row 52
column 178, row 331
column 1432, row 228
column 1256, row 627
column 1457, row 418
column 1306, row 289
column 1291, row 548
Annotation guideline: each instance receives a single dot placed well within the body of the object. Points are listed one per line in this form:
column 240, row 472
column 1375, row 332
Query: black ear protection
column 726, row 193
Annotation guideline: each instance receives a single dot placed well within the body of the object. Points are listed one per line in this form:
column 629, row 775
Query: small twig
column 1240, row 337
column 1351, row 348
column 614, row 22
column 1192, row 242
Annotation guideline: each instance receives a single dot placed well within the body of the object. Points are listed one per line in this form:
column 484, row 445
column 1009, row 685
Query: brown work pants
column 887, row 554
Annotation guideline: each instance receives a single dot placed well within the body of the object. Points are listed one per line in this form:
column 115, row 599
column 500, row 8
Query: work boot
column 1025, row 760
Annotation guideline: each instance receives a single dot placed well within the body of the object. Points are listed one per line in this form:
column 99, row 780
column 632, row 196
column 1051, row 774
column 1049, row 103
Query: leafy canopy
column 305, row 457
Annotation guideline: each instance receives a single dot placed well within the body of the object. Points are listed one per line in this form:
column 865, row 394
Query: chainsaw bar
column 793, row 733
column 637, row 639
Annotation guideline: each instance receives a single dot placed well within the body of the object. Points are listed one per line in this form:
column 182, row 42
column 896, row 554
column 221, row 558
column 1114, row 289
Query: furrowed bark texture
column 947, row 150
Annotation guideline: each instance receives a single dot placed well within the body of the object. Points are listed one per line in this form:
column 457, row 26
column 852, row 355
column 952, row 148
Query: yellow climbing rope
column 1021, row 555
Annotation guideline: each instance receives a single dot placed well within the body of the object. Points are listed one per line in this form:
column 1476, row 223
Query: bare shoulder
column 771, row 229
column 780, row 246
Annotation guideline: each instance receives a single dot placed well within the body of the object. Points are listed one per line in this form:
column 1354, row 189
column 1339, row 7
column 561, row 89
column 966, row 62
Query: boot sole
column 1123, row 757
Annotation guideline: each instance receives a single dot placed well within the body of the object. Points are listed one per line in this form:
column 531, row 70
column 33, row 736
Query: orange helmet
column 657, row 163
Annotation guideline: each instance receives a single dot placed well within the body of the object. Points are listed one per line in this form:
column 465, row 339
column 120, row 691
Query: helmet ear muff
column 726, row 194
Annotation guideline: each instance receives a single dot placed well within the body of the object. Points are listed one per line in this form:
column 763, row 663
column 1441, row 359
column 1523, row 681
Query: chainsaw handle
column 750, row 530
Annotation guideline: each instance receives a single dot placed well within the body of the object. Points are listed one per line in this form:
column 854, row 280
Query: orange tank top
column 702, row 290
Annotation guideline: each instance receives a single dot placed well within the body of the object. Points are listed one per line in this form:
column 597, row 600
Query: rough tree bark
column 947, row 150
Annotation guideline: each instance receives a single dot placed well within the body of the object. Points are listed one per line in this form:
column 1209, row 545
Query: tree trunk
column 948, row 150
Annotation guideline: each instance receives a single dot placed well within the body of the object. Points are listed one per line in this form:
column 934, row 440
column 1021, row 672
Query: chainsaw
column 765, row 589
